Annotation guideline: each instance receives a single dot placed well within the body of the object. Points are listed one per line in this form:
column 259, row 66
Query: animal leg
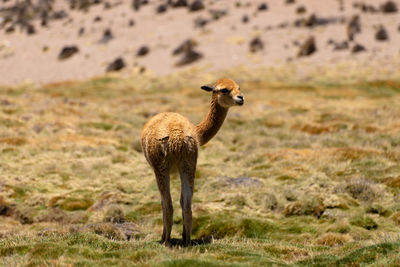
column 166, row 203
column 187, row 173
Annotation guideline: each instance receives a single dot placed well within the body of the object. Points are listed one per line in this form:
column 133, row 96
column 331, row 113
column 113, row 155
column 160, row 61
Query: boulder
column 116, row 65
column 67, row 52
column 307, row 48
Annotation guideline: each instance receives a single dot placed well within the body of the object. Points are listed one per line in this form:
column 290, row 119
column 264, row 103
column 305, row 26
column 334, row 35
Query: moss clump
column 223, row 226
column 378, row 209
column 71, row 203
column 364, row 222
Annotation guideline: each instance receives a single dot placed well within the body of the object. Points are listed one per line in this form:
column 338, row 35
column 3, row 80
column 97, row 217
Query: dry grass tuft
column 360, row 189
column 333, row 239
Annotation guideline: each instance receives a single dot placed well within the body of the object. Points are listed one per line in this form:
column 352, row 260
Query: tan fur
column 170, row 139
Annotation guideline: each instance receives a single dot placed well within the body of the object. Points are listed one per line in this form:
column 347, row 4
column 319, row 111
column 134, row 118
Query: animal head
column 227, row 91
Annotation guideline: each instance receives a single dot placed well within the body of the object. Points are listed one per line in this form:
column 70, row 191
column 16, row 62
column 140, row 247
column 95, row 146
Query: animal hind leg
column 166, row 203
column 187, row 174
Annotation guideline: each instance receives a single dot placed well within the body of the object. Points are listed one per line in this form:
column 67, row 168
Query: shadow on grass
column 175, row 242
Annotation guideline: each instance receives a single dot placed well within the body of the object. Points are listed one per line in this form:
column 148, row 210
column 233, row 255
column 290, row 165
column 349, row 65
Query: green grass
column 323, row 154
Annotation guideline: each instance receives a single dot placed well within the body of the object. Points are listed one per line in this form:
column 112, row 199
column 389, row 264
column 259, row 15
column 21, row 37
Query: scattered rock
column 307, row 48
column 196, row 6
column 131, row 23
column 189, row 57
column 58, row 15
column 381, row 34
column 301, row 10
column 107, row 5
column 97, row 19
column 256, row 45
column 67, row 52
column 143, row 50
column 357, row 48
column 107, row 36
column 283, row 25
column 10, row 29
column 245, row 19
column 216, row 14
column 200, row 22
column 311, row 21
column 116, row 65
column 184, row 47
column 161, row 8
column 341, row 46
column 179, row 3
column 289, row 2
column 81, row 31
column 137, row 4
column 30, row 29
column 353, row 27
column 389, row 7
column 263, row 7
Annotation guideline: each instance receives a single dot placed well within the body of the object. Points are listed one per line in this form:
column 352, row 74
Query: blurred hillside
column 46, row 41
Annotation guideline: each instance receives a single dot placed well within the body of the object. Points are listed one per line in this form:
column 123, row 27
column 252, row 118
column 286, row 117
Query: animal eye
column 225, row 91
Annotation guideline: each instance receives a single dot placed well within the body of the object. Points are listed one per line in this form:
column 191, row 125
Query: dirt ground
column 224, row 41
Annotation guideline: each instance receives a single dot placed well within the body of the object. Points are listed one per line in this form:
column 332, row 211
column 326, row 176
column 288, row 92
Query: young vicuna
column 170, row 139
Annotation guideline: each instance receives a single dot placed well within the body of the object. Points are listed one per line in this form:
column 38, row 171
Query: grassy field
column 303, row 174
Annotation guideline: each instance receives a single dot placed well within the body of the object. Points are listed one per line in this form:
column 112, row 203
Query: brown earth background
column 223, row 35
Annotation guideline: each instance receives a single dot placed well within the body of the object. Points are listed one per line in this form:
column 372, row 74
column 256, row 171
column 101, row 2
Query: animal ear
column 208, row 88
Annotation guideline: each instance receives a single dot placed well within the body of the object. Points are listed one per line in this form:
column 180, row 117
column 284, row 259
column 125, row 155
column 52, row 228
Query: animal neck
column 212, row 122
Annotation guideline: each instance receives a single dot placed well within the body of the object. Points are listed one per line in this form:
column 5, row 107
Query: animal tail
column 176, row 142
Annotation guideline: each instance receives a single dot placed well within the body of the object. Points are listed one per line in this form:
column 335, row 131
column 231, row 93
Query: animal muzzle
column 239, row 100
